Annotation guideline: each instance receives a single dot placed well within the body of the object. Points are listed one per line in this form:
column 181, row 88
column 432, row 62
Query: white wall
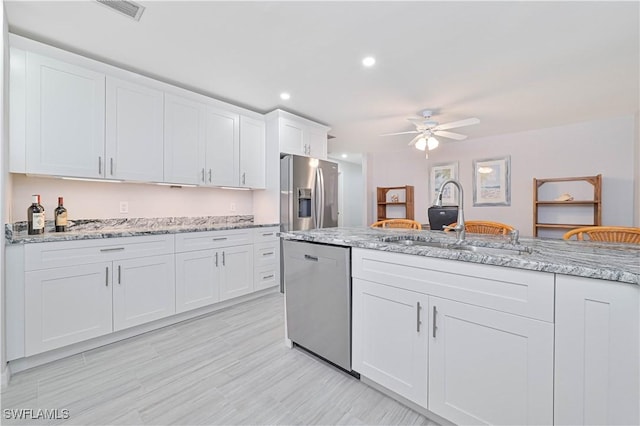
column 604, row 146
column 636, row 207
column 351, row 194
column 99, row 200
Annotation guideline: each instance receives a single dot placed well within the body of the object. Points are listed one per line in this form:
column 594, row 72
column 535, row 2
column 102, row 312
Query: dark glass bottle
column 60, row 216
column 35, row 217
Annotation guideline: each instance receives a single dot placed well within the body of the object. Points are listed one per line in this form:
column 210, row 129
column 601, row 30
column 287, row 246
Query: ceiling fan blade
column 400, row 133
column 414, row 140
column 450, row 135
column 460, row 123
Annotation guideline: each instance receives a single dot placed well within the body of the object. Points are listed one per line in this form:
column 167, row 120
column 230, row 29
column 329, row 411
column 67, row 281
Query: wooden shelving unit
column 595, row 203
column 383, row 201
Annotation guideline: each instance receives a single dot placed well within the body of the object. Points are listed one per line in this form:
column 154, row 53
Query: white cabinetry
column 69, row 293
column 299, row 136
column 237, row 271
column 184, row 141
column 134, row 139
column 197, row 279
column 390, row 338
column 266, row 258
column 252, row 153
column 489, row 367
column 222, row 141
column 64, row 116
column 597, row 359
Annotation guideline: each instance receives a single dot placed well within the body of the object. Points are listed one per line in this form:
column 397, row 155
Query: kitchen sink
column 453, row 246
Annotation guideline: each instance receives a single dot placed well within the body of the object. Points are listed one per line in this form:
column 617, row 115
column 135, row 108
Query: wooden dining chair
column 611, row 234
column 484, row 227
column 397, row 223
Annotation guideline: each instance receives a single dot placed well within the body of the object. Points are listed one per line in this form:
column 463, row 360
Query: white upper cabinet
column 184, row 140
column 222, row 136
column 252, row 153
column 134, row 146
column 297, row 135
column 64, row 118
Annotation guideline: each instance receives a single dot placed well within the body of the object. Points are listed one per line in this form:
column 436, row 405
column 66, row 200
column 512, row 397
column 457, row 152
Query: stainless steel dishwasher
column 317, row 280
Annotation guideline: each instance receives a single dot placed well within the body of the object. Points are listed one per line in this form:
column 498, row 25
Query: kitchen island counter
column 606, row 261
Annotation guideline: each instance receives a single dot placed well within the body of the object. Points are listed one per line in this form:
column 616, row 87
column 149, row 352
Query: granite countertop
column 87, row 229
column 607, row 261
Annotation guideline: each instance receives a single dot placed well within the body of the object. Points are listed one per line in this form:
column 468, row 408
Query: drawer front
column 266, row 254
column 212, row 239
column 69, row 253
column 266, row 277
column 516, row 291
column 261, row 235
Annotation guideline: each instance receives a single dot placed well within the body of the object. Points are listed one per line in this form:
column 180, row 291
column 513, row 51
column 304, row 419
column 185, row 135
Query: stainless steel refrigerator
column 308, row 193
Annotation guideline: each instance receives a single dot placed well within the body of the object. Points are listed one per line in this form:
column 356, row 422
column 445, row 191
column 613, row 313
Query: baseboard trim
column 26, row 363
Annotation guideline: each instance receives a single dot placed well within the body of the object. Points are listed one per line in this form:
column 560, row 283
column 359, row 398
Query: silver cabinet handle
column 266, row 277
column 111, row 165
column 267, row 234
column 203, row 174
column 222, row 258
column 267, row 254
column 435, row 312
column 112, row 249
column 119, row 274
column 418, row 322
column 209, row 175
column 308, row 257
column 99, row 165
column 219, row 239
column 106, row 276
column 216, row 259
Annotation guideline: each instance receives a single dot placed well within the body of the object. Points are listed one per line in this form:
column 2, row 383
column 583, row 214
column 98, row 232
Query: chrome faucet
column 460, row 225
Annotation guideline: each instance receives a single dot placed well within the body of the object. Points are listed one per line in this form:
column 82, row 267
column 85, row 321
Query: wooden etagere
column 595, row 203
column 383, row 201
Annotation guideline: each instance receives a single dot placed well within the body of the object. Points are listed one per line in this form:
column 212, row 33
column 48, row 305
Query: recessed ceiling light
column 369, row 61
column 285, row 96
column 344, row 155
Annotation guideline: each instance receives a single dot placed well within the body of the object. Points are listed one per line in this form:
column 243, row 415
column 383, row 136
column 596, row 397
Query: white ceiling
column 514, row 65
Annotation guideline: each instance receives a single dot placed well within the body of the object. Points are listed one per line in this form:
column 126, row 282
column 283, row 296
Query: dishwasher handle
column 309, row 257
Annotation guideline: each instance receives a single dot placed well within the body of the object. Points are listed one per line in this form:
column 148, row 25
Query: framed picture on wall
column 492, row 182
column 439, row 174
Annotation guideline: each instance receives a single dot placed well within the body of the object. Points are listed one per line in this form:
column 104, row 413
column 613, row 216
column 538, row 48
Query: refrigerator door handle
column 316, row 199
column 321, row 207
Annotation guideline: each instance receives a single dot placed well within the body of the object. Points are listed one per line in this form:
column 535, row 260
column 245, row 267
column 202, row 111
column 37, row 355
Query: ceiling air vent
column 131, row 9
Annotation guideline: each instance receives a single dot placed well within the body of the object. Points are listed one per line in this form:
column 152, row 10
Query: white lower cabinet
column 197, row 279
column 143, row 290
column 597, row 357
column 66, row 305
column 489, row 367
column 390, row 338
column 237, row 271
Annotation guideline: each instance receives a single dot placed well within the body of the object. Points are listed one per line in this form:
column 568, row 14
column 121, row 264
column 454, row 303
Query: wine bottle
column 60, row 216
column 35, row 217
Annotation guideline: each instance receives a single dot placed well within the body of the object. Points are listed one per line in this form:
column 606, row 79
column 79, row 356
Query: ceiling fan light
column 432, row 143
column 421, row 144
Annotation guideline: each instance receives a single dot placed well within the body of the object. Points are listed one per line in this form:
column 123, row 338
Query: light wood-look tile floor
column 230, row 367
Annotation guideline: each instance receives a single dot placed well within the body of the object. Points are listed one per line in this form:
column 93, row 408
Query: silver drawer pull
column 306, row 256
column 267, row 254
column 219, row 239
column 119, row 274
column 267, row 234
column 435, row 327
column 266, row 277
column 418, row 321
column 106, row 277
column 112, row 249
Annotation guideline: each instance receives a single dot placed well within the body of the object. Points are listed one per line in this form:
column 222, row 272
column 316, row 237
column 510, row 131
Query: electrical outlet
column 232, row 207
column 124, row 207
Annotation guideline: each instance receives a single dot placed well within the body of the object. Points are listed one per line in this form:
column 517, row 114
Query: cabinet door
column 65, row 111
column 197, row 279
column 66, row 305
column 291, row 137
column 237, row 271
column 134, row 132
column 316, row 143
column 489, row 367
column 222, row 141
column 390, row 338
column 252, row 153
column 597, row 338
column 184, row 144
column 143, row 290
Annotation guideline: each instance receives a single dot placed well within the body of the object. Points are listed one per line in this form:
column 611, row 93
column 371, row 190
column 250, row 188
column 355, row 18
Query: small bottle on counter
column 35, row 217
column 60, row 216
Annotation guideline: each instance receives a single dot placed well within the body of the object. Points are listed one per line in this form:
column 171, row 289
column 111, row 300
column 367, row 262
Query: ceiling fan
column 426, row 129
